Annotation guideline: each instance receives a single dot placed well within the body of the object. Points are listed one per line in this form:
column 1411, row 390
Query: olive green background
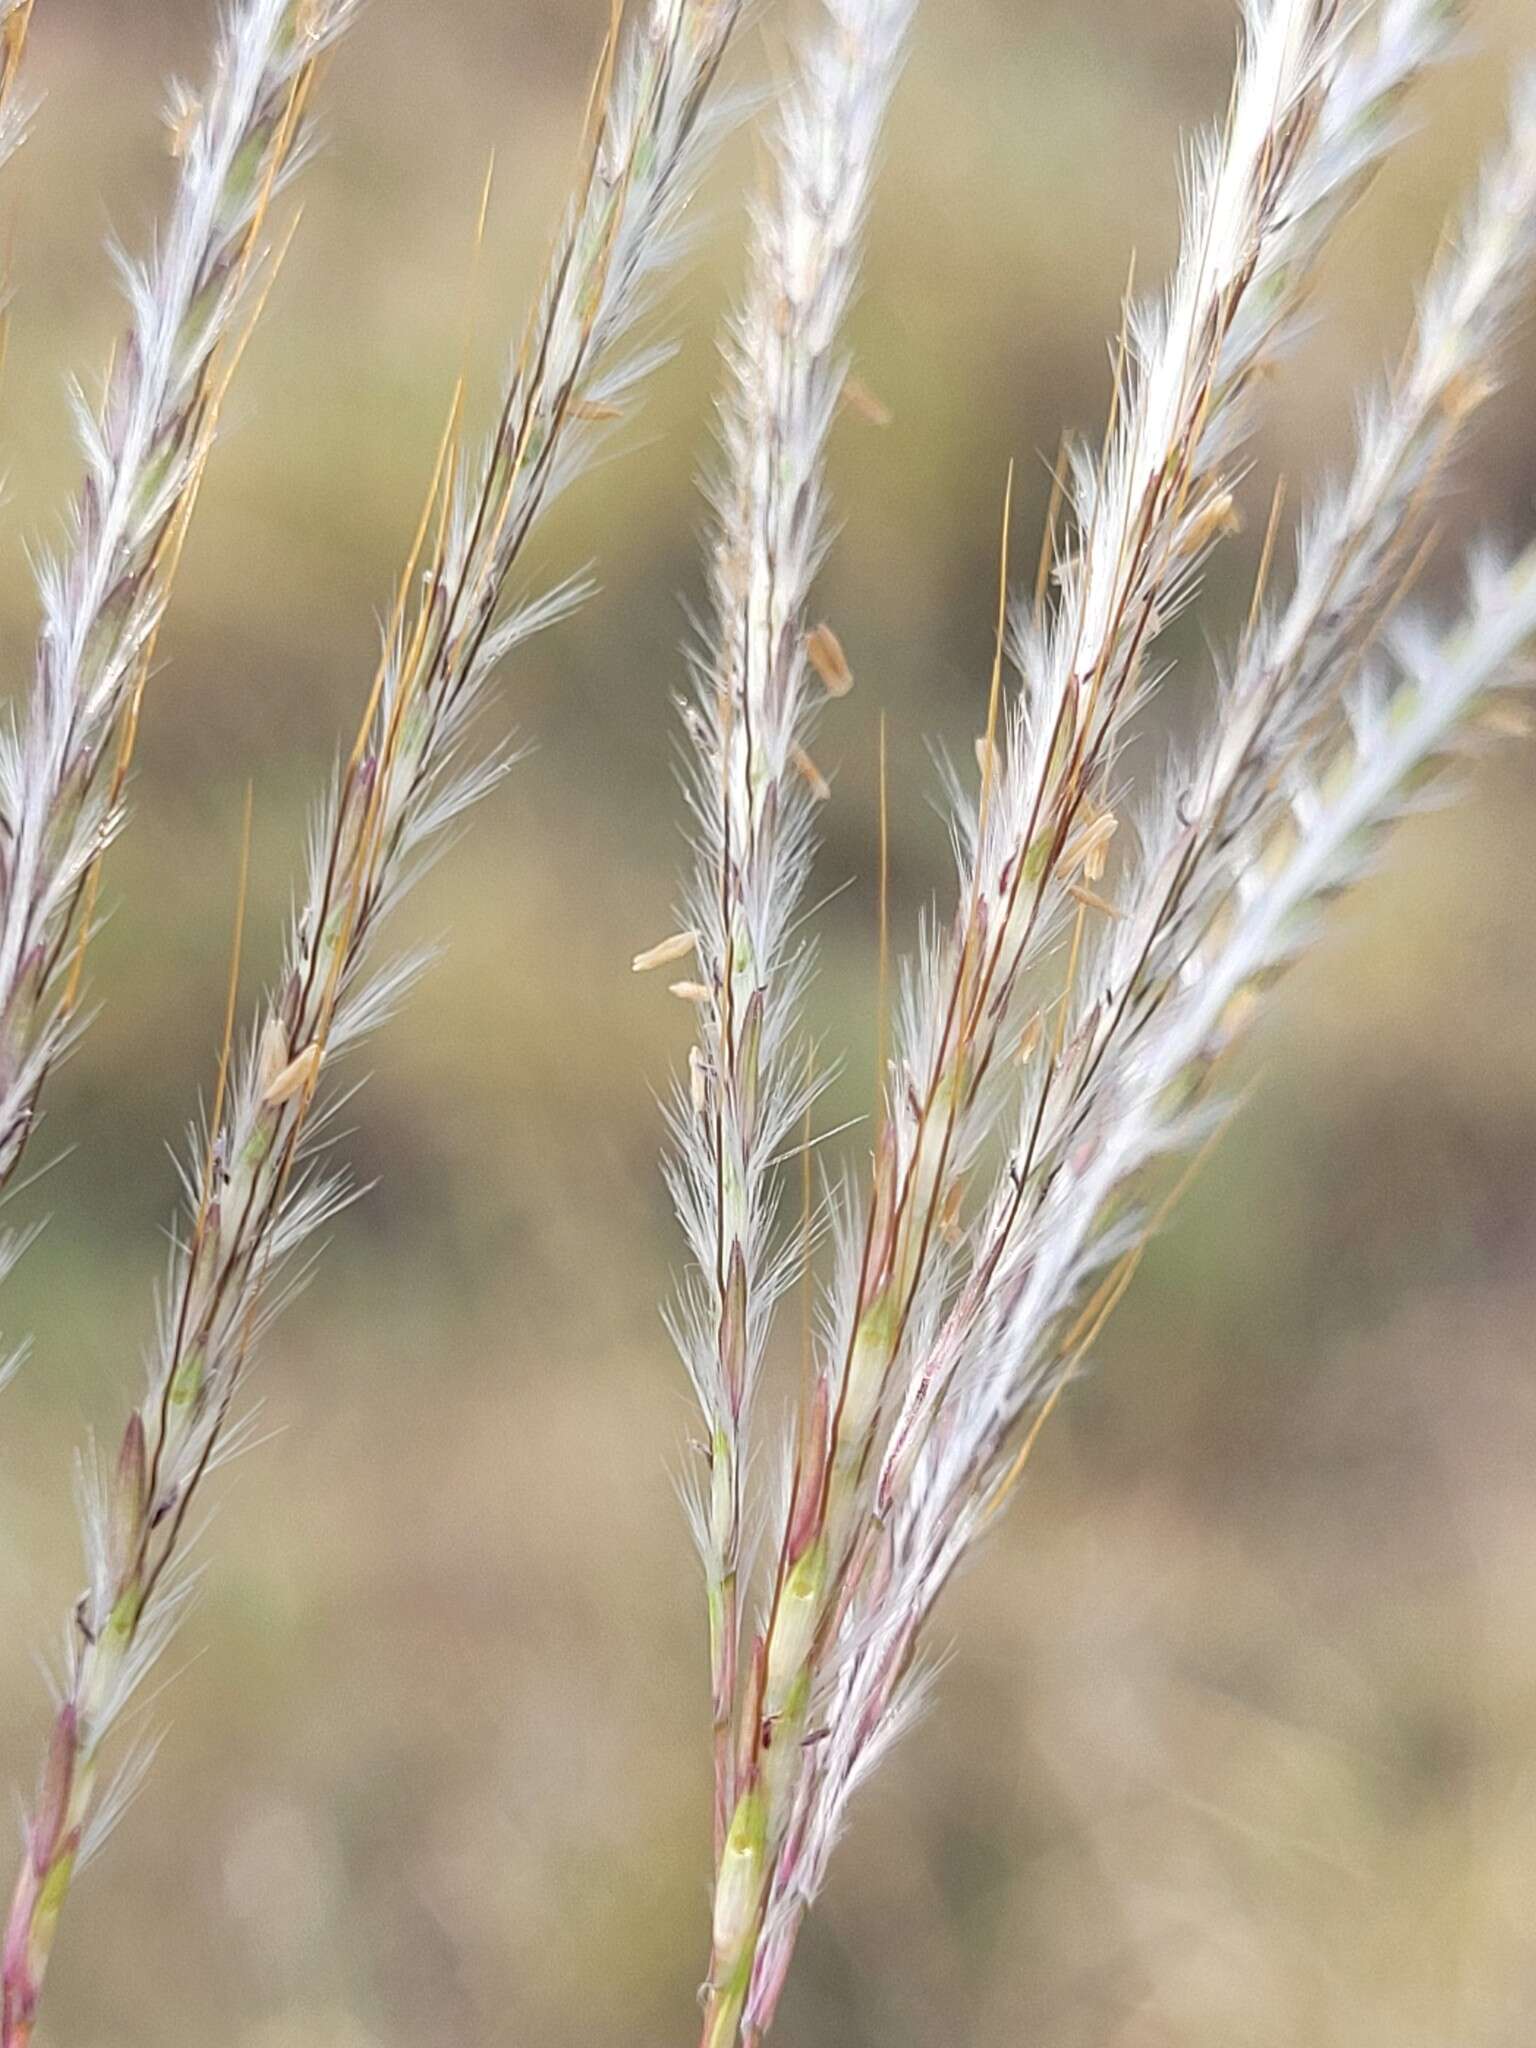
column 1237, row 1744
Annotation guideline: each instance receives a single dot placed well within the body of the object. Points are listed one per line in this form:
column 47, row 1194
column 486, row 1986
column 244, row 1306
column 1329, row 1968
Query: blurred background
column 1237, row 1744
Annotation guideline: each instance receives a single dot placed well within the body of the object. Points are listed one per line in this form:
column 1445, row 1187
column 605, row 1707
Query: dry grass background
column 1239, row 1740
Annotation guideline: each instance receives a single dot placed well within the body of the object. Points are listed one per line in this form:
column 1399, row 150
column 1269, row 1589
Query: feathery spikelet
column 952, row 1320
column 64, row 754
column 754, row 786
column 256, row 1195
column 1310, row 115
column 1015, row 1344
column 1314, row 749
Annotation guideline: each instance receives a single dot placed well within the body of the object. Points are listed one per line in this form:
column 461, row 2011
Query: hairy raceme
column 1359, row 543
column 754, row 786
column 1067, row 1018
column 1305, row 723
column 1057, row 1031
column 1416, row 709
column 255, row 1194
column 1293, row 703
column 1309, row 118
column 65, row 753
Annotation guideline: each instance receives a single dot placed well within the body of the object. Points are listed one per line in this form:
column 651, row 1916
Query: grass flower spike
column 955, row 1314
column 64, row 758
column 1050, row 1067
column 255, row 1195
column 760, row 684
